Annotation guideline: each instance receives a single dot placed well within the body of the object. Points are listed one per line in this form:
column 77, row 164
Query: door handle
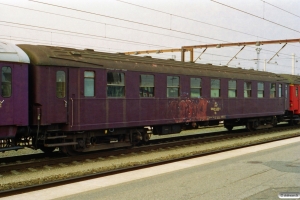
column 1, row 103
column 66, row 103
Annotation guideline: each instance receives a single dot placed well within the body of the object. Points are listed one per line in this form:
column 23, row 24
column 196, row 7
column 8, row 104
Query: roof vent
column 171, row 59
column 147, row 57
column 89, row 49
column 209, row 63
column 75, row 53
column 239, row 68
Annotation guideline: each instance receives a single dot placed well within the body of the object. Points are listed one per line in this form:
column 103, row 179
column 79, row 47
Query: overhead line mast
column 184, row 49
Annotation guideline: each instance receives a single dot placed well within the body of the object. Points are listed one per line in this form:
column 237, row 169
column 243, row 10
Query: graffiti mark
column 192, row 110
column 215, row 108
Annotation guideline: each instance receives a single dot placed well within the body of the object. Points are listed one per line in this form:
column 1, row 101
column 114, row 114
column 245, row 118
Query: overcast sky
column 132, row 25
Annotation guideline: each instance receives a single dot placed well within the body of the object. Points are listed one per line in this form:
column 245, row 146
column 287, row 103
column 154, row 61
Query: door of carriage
column 59, row 113
column 6, row 94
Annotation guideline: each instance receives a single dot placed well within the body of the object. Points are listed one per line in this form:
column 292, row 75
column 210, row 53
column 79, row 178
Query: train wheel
column 68, row 150
column 274, row 122
column 249, row 126
column 146, row 137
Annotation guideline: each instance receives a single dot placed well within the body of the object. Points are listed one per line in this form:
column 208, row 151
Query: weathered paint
column 100, row 112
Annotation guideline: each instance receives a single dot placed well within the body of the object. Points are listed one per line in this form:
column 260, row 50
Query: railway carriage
column 82, row 100
column 14, row 94
column 293, row 111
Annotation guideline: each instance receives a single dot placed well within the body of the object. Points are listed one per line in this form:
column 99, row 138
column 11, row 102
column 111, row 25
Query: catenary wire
column 255, row 16
column 128, row 21
column 280, row 8
column 135, row 42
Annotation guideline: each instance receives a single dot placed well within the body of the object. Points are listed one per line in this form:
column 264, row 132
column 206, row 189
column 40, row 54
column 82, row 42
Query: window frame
column 195, row 87
column 149, row 93
column 261, row 91
column 247, row 90
column 87, row 78
column 117, row 85
column 171, row 87
column 215, row 88
column 273, row 91
column 232, row 89
column 280, row 90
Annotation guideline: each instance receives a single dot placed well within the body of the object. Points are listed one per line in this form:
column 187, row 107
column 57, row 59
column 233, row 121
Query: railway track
column 155, row 145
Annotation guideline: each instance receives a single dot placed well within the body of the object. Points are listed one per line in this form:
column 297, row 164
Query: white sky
column 116, row 26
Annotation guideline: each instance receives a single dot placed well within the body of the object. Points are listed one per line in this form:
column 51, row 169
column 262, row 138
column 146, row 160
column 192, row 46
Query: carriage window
column 6, row 82
column 296, row 91
column 172, row 86
column 89, row 84
column 115, row 84
column 260, row 90
column 279, row 90
column 215, row 88
column 247, row 89
column 60, row 84
column 196, row 89
column 286, row 91
column 272, row 90
column 231, row 88
column 147, row 86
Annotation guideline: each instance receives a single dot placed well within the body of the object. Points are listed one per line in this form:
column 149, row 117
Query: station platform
column 258, row 172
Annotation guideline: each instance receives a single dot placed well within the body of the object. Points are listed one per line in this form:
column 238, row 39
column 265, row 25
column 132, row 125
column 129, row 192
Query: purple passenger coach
column 83, row 100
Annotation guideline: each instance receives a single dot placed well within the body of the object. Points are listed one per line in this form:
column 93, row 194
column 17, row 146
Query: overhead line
column 280, row 8
column 127, row 20
column 186, row 18
column 116, row 26
column 72, row 32
column 135, row 22
column 256, row 16
column 61, row 15
column 190, row 19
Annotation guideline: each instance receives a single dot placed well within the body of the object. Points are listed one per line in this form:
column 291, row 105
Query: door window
column 89, row 83
column 60, row 84
column 6, row 88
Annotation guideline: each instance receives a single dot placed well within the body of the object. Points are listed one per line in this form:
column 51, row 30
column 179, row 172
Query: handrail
column 72, row 113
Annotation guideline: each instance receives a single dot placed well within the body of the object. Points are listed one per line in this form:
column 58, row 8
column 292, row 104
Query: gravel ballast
column 63, row 171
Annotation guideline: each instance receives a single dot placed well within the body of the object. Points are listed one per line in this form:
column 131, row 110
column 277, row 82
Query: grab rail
column 72, row 113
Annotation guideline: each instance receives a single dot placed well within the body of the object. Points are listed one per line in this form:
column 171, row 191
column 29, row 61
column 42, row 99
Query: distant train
column 82, row 100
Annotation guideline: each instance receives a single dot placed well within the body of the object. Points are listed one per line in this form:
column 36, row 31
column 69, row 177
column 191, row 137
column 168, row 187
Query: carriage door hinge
column 66, row 103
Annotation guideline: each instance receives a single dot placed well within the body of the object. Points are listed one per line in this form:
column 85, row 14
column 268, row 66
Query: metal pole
column 257, row 50
column 191, row 55
column 265, row 65
column 182, row 55
column 293, row 64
